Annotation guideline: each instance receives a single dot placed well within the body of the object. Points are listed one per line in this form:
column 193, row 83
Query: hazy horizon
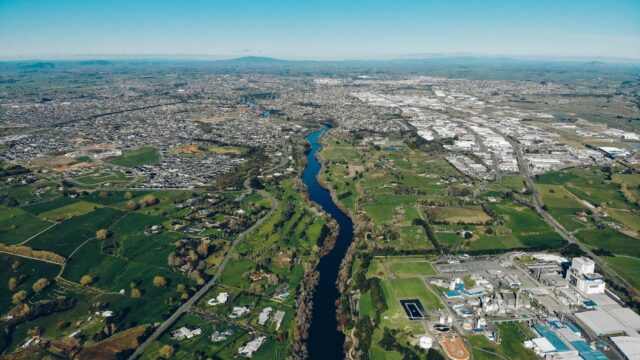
column 319, row 30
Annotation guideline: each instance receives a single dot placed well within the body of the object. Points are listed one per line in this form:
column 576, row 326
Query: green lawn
column 627, row 267
column 43, row 207
column 17, row 226
column 412, row 269
column 66, row 236
column 138, row 157
column 611, row 240
column 68, row 211
column 510, row 344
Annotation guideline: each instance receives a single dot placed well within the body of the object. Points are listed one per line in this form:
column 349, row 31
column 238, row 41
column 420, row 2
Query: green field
column 524, row 228
column 138, row 157
column 456, row 214
column 412, row 269
column 66, row 236
column 28, row 270
column 43, row 207
column 68, row 211
column 16, row 226
column 102, row 177
column 611, row 240
column 627, row 267
column 510, row 344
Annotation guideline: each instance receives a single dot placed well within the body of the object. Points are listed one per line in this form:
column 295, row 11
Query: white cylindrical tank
column 426, row 342
column 467, row 325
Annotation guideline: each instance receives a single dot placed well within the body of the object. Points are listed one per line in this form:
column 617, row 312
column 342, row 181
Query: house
column 185, row 333
column 251, row 347
column 264, row 315
column 238, row 311
column 220, row 299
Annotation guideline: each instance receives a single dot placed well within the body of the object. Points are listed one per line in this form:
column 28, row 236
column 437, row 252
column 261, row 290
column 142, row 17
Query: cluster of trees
column 36, row 254
column 27, row 311
column 190, row 255
column 147, row 200
column 458, row 190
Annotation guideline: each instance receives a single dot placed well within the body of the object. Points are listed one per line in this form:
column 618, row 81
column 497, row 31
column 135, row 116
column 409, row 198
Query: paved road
column 192, row 300
column 567, row 235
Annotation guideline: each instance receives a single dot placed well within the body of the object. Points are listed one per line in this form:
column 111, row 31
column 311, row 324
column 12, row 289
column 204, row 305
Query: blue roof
column 573, row 327
column 452, row 294
column 552, row 337
column 557, row 324
column 586, row 352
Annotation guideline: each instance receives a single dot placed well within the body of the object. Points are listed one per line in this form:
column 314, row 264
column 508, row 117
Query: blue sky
column 316, row 29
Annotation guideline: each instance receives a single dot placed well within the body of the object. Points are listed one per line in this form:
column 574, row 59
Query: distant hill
column 595, row 65
column 38, row 66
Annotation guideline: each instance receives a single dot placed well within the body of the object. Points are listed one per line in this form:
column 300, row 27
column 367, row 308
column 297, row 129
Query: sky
column 319, row 29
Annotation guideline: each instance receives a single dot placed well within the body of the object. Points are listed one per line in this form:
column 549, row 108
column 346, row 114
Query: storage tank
column 426, row 342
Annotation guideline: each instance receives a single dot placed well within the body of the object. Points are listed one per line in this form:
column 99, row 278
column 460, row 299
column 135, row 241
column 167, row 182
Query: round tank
column 426, row 342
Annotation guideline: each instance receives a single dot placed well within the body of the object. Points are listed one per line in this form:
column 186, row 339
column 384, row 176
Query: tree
column 136, row 293
column 15, row 265
column 128, row 195
column 148, row 200
column 62, row 325
column 102, row 234
column 160, row 281
column 166, row 351
column 203, row 248
column 13, row 282
column 19, row 297
column 86, row 280
column 40, row 284
column 132, row 205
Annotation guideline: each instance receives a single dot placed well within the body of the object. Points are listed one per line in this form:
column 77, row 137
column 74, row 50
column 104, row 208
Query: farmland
column 595, row 204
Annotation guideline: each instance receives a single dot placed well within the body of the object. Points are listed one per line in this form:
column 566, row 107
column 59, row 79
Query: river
column 325, row 341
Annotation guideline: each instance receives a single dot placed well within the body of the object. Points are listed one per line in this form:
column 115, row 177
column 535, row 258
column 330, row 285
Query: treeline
column 429, row 231
column 35, row 254
column 302, row 321
column 25, row 312
column 365, row 325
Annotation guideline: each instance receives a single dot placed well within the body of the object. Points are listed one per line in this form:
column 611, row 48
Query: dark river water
column 325, row 341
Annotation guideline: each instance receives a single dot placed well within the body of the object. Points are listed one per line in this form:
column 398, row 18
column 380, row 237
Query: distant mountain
column 595, row 65
column 38, row 66
column 96, row 62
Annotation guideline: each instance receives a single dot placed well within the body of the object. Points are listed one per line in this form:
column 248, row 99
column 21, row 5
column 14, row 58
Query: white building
column 185, row 333
column 583, row 277
column 251, row 347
